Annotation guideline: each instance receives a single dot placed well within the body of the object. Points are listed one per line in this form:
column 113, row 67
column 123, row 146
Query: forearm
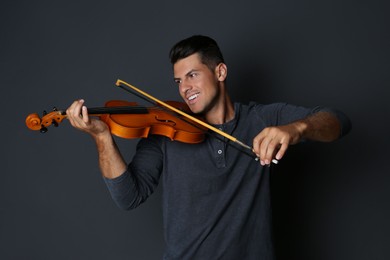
column 322, row 126
column 325, row 125
column 111, row 161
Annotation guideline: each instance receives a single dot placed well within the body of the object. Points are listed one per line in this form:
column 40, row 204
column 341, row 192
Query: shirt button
column 219, row 151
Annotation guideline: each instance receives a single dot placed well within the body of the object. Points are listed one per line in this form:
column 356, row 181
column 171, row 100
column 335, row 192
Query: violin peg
column 55, row 123
column 44, row 113
column 43, row 130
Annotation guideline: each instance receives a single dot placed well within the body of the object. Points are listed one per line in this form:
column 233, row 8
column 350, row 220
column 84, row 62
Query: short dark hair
column 206, row 47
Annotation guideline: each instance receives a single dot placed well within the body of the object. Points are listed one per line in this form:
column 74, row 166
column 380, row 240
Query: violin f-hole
column 173, row 123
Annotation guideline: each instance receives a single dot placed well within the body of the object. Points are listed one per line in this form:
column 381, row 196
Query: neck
column 222, row 111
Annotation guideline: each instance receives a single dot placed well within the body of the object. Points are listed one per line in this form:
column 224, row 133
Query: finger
column 71, row 108
column 264, row 148
column 271, row 150
column 84, row 113
column 74, row 112
column 282, row 151
column 77, row 108
column 256, row 144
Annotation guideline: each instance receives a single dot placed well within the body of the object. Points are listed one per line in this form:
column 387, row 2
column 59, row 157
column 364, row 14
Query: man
column 216, row 199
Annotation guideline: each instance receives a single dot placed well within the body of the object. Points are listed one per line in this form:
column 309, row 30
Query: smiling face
column 199, row 87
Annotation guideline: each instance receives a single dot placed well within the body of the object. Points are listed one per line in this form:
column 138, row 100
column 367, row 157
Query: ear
column 221, row 71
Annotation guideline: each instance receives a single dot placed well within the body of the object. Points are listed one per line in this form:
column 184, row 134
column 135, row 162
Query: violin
column 128, row 120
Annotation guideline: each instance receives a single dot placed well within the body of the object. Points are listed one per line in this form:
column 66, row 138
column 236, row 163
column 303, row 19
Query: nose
column 184, row 86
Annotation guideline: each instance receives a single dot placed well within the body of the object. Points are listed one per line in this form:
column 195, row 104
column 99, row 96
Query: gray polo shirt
column 216, row 198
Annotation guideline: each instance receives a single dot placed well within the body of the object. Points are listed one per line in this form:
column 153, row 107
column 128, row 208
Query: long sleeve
column 141, row 178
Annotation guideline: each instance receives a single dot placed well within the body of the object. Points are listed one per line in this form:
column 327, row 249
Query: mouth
column 193, row 97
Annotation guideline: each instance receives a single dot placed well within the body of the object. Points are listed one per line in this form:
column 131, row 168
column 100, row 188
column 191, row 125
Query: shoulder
column 261, row 109
column 274, row 113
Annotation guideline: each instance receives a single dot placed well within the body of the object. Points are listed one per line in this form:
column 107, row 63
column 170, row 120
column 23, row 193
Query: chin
column 195, row 110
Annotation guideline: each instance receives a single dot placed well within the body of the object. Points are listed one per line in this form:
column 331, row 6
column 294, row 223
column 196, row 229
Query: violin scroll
column 34, row 122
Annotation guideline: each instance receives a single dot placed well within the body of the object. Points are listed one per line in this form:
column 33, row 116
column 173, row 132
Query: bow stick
column 120, row 84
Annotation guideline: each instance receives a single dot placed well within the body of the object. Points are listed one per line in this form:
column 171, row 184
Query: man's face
column 198, row 85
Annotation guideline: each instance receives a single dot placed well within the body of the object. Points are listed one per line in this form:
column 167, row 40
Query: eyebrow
column 187, row 74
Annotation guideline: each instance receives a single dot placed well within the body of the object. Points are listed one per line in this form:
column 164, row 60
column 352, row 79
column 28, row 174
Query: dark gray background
column 331, row 201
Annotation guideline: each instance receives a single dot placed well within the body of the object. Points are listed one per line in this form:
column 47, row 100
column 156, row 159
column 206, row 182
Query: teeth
column 193, row 96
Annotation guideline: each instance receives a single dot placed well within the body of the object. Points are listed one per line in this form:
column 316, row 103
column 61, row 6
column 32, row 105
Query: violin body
column 156, row 122
column 128, row 120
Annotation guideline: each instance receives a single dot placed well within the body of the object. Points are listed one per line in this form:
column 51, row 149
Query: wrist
column 102, row 137
column 301, row 127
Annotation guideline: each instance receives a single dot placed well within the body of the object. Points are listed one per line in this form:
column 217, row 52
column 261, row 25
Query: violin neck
column 118, row 110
